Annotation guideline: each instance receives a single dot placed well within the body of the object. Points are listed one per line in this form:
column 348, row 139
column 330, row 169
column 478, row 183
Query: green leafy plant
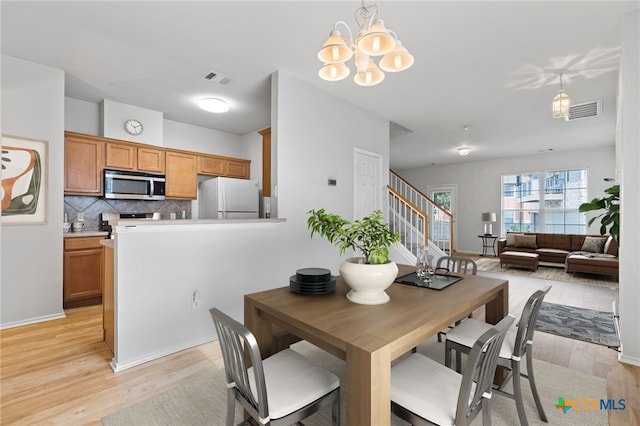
column 370, row 235
column 610, row 218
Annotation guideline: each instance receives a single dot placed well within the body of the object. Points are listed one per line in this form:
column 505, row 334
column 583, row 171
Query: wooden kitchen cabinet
column 181, row 175
column 210, row 165
column 134, row 157
column 151, row 160
column 83, row 164
column 237, row 168
column 83, row 274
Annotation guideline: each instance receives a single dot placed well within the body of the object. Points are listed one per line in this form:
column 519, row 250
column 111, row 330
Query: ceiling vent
column 584, row 110
column 216, row 77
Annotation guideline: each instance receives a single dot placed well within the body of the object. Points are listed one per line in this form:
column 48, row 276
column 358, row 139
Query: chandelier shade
column 335, row 49
column 399, row 59
column 334, row 71
column 377, row 41
column 371, row 76
column 372, row 39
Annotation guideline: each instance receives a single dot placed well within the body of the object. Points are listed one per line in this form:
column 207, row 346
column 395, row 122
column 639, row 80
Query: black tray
column 438, row 281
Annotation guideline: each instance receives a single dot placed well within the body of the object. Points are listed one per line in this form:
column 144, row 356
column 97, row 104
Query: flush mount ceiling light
column 561, row 103
column 464, row 151
column 372, row 39
column 213, row 105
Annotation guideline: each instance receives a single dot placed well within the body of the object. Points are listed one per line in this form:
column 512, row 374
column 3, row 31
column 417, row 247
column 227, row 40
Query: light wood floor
column 57, row 372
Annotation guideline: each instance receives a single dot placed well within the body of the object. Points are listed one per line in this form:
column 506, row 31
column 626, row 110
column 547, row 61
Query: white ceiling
column 489, row 65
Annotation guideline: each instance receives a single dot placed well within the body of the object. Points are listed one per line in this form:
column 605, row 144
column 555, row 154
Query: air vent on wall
column 584, row 110
column 216, row 77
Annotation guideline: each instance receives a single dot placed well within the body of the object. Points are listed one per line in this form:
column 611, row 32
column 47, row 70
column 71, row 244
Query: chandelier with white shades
column 372, row 39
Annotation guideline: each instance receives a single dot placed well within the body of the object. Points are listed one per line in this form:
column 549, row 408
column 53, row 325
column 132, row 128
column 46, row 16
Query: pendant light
column 561, row 103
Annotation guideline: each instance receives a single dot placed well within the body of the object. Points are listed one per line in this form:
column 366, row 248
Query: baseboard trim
column 33, row 320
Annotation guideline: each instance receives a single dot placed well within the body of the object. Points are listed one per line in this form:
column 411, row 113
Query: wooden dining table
column 369, row 337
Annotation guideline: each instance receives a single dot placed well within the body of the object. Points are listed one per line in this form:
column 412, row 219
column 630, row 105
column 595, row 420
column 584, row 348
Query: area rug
column 203, row 401
column 578, row 323
column 555, row 273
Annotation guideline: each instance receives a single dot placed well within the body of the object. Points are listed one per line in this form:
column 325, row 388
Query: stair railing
column 409, row 221
column 438, row 222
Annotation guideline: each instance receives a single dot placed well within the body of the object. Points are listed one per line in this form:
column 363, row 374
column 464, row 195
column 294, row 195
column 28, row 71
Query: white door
column 368, row 188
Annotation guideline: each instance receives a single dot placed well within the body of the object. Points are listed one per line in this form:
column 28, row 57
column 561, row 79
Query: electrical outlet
column 80, row 217
column 195, row 299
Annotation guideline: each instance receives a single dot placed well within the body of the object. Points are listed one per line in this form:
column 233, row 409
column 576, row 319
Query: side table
column 488, row 242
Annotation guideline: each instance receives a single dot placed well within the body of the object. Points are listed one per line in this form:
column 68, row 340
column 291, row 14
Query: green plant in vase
column 370, row 235
column 370, row 275
column 610, row 218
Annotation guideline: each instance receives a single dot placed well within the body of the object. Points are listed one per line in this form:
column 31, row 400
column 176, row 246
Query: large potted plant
column 610, row 218
column 368, row 275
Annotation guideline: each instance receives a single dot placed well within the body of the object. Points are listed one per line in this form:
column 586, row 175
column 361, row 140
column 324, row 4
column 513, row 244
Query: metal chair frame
column 522, row 347
column 456, row 264
column 234, row 340
column 477, row 381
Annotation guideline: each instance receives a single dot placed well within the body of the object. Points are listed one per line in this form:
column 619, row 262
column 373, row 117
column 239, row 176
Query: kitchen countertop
column 153, row 222
column 80, row 234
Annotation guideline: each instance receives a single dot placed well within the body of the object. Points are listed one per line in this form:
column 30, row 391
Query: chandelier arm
column 349, row 40
column 365, row 15
column 393, row 33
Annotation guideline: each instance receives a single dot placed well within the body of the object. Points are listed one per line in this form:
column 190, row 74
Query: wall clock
column 133, row 127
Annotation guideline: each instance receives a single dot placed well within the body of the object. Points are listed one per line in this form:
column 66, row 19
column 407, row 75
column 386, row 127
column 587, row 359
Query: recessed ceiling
column 492, row 64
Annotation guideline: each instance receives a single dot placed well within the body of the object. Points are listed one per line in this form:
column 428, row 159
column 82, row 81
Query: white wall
column 33, row 107
column 629, row 135
column 314, row 138
column 81, row 116
column 115, row 114
column 479, row 183
column 199, row 139
column 224, row 262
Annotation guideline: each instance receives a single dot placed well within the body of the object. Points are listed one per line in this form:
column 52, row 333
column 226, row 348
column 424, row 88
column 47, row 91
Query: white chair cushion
column 426, row 388
column 467, row 332
column 292, row 382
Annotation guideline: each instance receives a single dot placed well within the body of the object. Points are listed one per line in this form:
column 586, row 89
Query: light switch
column 80, row 217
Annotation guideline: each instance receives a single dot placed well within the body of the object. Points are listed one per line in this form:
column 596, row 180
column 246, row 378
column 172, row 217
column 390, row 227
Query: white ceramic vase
column 368, row 282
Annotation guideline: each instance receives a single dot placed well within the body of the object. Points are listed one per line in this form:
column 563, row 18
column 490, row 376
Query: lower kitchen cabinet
column 83, row 271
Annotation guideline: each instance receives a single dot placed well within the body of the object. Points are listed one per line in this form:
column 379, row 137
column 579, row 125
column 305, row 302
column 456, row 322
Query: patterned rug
column 555, row 273
column 578, row 323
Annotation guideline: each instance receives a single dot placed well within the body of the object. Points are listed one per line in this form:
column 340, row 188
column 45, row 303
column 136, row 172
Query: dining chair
column 461, row 265
column 515, row 346
column 425, row 392
column 282, row 389
column 456, row 264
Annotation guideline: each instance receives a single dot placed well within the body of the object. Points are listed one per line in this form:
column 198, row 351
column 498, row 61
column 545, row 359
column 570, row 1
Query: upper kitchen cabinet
column 210, row 165
column 83, row 164
column 237, row 168
column 181, row 175
column 134, row 157
column 214, row 165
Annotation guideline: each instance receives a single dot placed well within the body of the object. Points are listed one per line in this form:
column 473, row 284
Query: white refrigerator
column 228, row 198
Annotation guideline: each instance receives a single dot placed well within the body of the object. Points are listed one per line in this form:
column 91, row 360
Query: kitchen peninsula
column 166, row 274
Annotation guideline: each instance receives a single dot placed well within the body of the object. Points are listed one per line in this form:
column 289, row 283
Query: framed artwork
column 24, row 181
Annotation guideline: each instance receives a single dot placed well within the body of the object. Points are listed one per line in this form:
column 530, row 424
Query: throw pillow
column 594, row 244
column 526, row 241
column 611, row 246
column 511, row 238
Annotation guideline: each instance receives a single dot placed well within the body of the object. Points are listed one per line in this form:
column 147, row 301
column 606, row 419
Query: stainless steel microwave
column 125, row 185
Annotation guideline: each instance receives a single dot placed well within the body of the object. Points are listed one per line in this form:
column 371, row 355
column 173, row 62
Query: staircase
column 419, row 220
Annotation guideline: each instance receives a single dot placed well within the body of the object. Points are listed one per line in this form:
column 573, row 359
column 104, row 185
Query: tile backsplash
column 93, row 206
